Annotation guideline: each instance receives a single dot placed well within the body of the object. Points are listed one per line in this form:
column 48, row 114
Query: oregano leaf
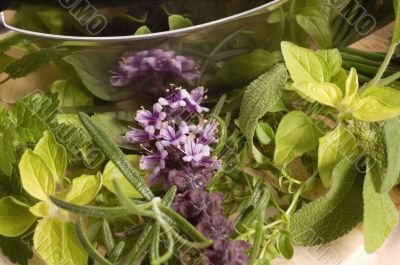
column 380, row 214
column 332, row 215
column 260, row 96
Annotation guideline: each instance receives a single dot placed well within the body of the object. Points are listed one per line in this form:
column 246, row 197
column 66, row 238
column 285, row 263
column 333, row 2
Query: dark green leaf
column 18, row 249
column 332, row 215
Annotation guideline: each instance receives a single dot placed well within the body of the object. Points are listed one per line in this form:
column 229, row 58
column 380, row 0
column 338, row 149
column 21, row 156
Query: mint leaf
column 72, row 93
column 178, row 22
column 93, row 68
column 380, row 214
column 259, row 97
column 392, row 140
column 332, row 215
column 32, row 62
column 296, row 135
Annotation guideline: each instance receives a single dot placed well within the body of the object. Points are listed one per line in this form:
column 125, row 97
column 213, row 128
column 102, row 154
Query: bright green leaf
column 337, row 145
column 332, row 215
column 333, row 58
column 325, row 93
column 304, row 64
column 36, row 176
column 340, row 80
column 351, row 96
column 84, row 189
column 296, row 135
column 178, row 22
column 380, row 214
column 143, row 30
column 57, row 243
column 53, row 154
column 316, row 23
column 71, row 93
column 259, row 97
column 111, row 172
column 387, row 95
column 372, row 109
column 264, row 133
column 41, row 209
column 15, row 218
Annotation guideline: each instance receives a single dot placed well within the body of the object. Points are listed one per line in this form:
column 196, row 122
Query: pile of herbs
column 308, row 149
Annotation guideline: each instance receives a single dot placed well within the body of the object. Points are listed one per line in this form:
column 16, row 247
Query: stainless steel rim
column 163, row 34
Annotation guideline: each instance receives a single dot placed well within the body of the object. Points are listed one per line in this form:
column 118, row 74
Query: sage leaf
column 259, row 97
column 333, row 58
column 332, row 215
column 57, row 243
column 84, row 189
column 296, row 135
column 111, row 173
column 325, row 93
column 178, row 22
column 337, row 145
column 392, row 141
column 93, row 68
column 304, row 64
column 36, row 177
column 15, row 218
column 380, row 214
column 316, row 23
column 71, row 93
column 54, row 154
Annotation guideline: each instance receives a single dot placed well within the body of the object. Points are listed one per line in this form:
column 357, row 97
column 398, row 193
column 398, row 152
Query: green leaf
column 340, row 80
column 84, row 189
column 285, row 246
column 111, row 172
column 54, row 154
column 332, row 215
column 41, row 209
column 256, row 63
column 53, row 20
column 143, row 30
column 178, row 22
column 296, row 135
column 33, row 115
column 13, row 40
column 396, row 34
column 115, row 154
column 304, row 64
column 57, row 243
column 333, row 58
column 351, row 97
column 265, row 134
column 71, row 93
column 37, row 178
column 373, row 109
column 259, row 97
column 392, row 141
column 380, row 214
column 93, row 68
column 5, row 61
column 15, row 218
column 334, row 147
column 325, row 93
column 32, row 62
column 316, row 23
column 7, row 152
column 112, row 126
column 386, row 95
column 18, row 249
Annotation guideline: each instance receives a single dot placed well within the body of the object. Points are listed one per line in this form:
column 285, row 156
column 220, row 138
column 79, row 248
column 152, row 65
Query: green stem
column 384, row 65
column 390, row 79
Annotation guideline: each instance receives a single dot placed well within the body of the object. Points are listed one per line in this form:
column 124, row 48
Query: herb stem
column 384, row 65
column 390, row 79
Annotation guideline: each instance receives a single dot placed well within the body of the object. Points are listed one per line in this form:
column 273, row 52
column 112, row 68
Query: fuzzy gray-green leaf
column 332, row 215
column 392, row 140
column 260, row 96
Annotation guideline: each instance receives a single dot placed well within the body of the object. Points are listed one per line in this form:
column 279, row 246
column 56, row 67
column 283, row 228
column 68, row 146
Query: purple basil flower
column 138, row 136
column 223, row 252
column 195, row 152
column 151, row 121
column 157, row 63
column 197, row 96
column 191, row 204
column 171, row 137
column 154, row 162
column 189, row 178
column 215, row 226
column 207, row 134
column 176, row 99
